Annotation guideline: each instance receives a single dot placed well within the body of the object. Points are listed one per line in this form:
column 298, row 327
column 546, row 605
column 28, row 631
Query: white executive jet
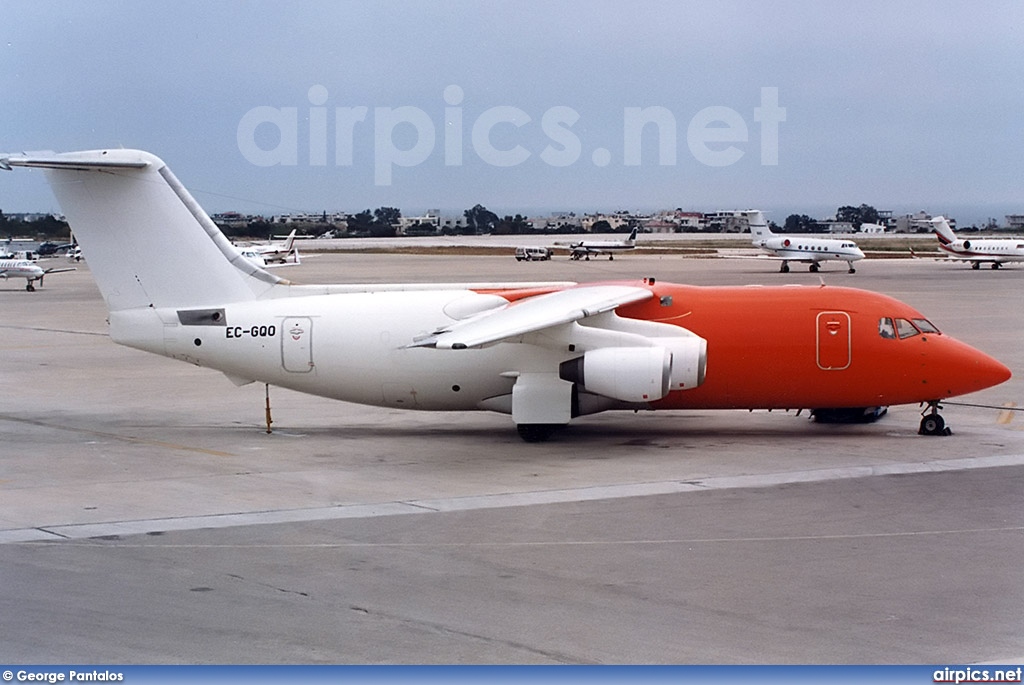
column 802, row 249
column 584, row 248
column 272, row 254
column 977, row 251
column 29, row 270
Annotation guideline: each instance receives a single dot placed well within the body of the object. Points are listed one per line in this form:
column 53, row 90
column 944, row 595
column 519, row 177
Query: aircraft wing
column 758, row 257
column 533, row 314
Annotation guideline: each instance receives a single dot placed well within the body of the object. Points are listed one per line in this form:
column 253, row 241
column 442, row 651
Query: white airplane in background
column 273, row 254
column 585, row 248
column 29, row 270
column 977, row 251
column 802, row 249
column 544, row 353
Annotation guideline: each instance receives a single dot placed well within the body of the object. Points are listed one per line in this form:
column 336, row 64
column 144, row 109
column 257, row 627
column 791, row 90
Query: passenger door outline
column 297, row 344
column 833, row 341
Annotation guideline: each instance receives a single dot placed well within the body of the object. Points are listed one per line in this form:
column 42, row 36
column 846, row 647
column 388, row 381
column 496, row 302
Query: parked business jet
column 542, row 352
column 29, row 270
column 977, row 251
column 584, row 248
column 811, row 251
column 273, row 254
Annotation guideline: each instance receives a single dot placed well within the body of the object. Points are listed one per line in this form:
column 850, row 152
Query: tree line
column 382, row 223
column 801, row 223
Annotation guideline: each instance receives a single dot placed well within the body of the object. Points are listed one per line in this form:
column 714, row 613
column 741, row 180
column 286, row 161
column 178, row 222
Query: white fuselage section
column 802, row 249
column 996, row 250
column 353, row 347
column 20, row 268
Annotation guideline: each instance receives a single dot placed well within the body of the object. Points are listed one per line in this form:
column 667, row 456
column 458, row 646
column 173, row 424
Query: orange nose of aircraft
column 963, row 369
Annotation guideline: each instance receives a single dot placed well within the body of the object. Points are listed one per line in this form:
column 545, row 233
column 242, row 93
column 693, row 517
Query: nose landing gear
column 932, row 422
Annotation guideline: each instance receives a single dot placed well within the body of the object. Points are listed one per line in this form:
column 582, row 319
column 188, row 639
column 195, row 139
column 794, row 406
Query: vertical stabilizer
column 942, row 230
column 146, row 240
column 759, row 231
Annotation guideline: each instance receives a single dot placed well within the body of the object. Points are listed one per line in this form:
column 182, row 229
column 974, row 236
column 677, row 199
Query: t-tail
column 759, row 231
column 149, row 243
column 289, row 242
column 942, row 231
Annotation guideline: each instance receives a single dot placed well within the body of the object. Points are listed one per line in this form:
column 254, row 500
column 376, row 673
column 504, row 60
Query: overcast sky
column 272, row 107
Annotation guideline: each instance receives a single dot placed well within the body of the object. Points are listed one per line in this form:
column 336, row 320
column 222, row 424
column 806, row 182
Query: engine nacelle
column 630, row 374
column 639, row 374
column 689, row 361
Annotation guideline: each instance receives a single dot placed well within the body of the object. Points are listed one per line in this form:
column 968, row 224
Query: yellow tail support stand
column 269, row 420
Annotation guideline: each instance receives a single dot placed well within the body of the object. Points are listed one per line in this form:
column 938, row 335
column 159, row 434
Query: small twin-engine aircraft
column 811, row 251
column 584, row 248
column 29, row 270
column 977, row 251
column 542, row 352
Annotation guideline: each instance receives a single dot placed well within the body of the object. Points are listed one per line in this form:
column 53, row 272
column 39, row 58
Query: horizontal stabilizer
column 82, row 160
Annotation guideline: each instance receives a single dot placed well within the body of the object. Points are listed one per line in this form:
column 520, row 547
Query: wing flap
column 533, row 314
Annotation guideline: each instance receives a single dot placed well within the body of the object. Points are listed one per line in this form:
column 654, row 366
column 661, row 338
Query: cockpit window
column 926, row 326
column 906, row 329
column 885, row 328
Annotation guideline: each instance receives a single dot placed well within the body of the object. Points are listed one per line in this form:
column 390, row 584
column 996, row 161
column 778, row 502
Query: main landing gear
column 536, row 432
column 813, row 268
column 932, row 422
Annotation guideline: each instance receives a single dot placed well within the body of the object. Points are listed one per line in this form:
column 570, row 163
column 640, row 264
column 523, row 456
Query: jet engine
column 638, row 374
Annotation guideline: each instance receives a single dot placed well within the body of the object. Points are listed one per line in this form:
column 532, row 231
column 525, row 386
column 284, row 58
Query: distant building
column 231, row 219
column 1015, row 221
column 428, row 224
column 615, row 220
column 559, row 221
column 914, row 223
column 731, row 221
column 833, row 226
column 454, row 224
column 919, row 222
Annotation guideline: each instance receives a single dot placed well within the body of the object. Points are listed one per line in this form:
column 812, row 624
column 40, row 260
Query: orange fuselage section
column 791, row 347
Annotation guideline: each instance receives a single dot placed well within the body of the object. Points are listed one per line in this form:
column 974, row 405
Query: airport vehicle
column 29, row 270
column 977, row 251
column 801, row 249
column 542, row 352
column 533, row 254
column 584, row 248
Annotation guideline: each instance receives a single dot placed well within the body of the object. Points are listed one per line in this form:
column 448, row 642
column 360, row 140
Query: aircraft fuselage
column 785, row 347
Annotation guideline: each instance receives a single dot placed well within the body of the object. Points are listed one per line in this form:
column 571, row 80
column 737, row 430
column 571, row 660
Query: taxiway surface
column 148, row 518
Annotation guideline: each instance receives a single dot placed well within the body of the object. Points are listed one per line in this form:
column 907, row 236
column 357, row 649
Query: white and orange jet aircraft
column 542, row 352
column 977, row 251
